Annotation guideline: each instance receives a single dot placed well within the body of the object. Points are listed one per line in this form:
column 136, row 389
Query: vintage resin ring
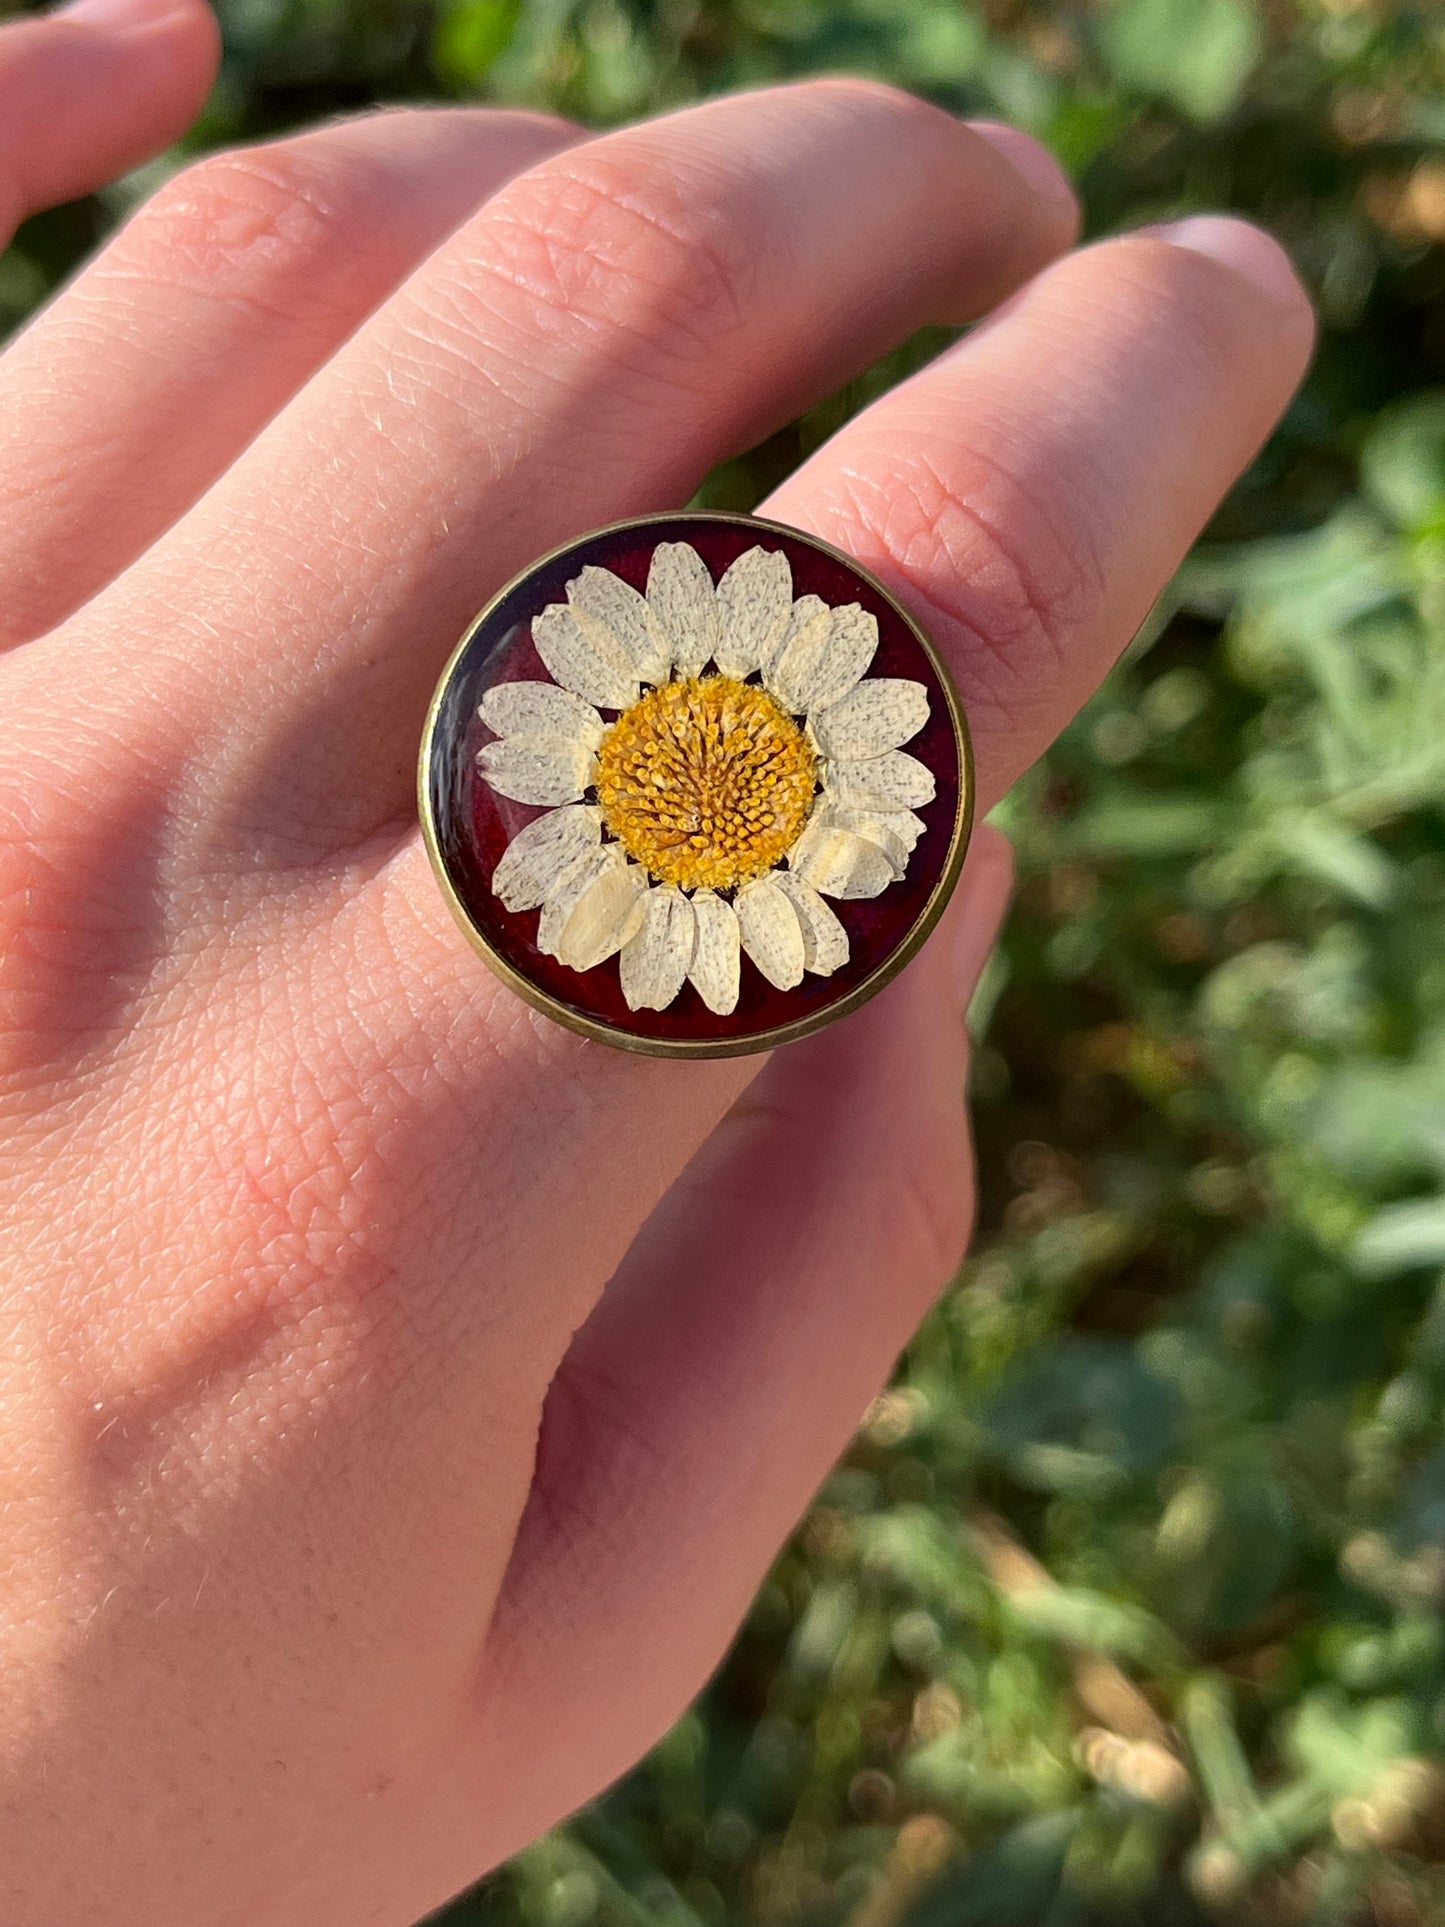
column 695, row 785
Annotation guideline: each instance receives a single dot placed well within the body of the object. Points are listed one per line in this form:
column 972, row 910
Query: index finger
column 94, row 89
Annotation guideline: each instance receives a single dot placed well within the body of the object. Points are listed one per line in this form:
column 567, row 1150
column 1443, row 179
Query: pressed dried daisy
column 716, row 762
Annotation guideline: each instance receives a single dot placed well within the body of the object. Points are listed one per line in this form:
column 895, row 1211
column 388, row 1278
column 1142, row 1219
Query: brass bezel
column 759, row 1041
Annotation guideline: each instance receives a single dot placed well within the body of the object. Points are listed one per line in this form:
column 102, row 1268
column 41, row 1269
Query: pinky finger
column 94, row 89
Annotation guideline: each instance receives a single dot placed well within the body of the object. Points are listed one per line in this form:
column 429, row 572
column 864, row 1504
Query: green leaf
column 1226, row 1546
column 1403, row 461
column 1402, row 1237
column 470, row 35
column 1207, row 1715
column 941, row 46
column 1095, row 1623
column 1345, row 1748
column 1084, row 1416
column 1149, row 826
column 1198, row 54
column 1349, row 863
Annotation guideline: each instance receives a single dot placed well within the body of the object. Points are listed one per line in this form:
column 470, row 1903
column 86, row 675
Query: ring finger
column 1029, row 495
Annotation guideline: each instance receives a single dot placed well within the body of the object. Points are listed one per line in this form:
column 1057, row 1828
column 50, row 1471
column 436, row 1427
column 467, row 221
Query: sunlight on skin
column 303, row 1215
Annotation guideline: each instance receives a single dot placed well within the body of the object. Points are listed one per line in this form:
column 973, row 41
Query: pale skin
column 400, row 1397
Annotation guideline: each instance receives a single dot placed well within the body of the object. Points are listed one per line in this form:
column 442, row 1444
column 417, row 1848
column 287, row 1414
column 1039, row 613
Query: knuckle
column 986, row 551
column 630, row 241
column 273, row 226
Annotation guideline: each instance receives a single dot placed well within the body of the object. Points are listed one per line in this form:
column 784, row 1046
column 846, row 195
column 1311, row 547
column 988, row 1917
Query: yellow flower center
column 706, row 782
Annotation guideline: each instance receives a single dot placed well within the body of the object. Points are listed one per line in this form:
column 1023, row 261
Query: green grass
column 1126, row 1606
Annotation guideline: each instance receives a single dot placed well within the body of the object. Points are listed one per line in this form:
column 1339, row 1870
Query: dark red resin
column 474, row 824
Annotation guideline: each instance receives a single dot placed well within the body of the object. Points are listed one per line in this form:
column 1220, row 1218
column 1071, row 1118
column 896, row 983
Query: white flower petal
column 613, row 616
column 808, row 609
column 852, row 645
column 682, row 609
column 894, row 831
column 604, row 916
column 536, row 856
column 755, row 601
column 796, row 665
column 541, row 709
column 655, row 960
column 896, row 781
column 714, row 967
column 537, row 769
column 579, row 875
column 580, row 662
column 825, row 941
column 873, row 717
column 839, row 864
column 772, row 932
column 897, row 826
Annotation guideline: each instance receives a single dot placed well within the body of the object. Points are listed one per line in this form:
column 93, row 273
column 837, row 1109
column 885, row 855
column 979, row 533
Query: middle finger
column 612, row 324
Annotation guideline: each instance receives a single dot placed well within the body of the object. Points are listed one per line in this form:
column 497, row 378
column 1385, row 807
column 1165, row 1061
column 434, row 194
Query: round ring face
column 695, row 785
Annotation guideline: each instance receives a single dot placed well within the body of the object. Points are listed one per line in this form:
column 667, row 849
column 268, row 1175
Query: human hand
column 401, row 1398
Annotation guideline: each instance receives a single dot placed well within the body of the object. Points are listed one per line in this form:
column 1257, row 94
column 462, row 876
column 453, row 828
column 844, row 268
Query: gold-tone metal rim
column 757, row 1041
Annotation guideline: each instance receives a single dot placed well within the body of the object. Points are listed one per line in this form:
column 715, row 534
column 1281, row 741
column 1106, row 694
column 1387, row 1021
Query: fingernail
column 1030, row 160
column 985, row 891
column 1239, row 245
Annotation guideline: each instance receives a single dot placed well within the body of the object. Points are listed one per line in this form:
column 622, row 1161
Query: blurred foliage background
column 1127, row 1605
